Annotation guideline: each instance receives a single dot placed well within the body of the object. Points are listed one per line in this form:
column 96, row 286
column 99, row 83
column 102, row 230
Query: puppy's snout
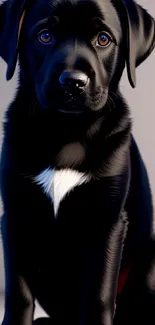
column 72, row 81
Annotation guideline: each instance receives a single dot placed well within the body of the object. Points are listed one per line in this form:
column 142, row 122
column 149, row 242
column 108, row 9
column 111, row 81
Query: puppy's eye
column 103, row 40
column 45, row 37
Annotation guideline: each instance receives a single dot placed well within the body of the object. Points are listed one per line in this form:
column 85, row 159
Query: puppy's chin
column 73, row 108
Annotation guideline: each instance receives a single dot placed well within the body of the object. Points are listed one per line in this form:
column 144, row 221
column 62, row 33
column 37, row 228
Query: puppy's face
column 72, row 50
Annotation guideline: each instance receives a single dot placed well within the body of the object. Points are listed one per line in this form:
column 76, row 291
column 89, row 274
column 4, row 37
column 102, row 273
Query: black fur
column 71, row 264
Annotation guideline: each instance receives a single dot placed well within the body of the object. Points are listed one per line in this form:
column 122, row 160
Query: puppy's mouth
column 70, row 104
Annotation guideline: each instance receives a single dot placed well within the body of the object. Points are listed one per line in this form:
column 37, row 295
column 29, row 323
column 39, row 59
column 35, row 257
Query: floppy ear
column 11, row 17
column 140, row 36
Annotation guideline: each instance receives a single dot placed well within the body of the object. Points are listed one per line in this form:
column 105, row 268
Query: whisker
column 109, row 105
column 111, row 101
column 114, row 94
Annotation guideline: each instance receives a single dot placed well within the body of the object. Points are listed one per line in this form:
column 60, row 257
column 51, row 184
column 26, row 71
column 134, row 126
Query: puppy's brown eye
column 45, row 37
column 103, row 40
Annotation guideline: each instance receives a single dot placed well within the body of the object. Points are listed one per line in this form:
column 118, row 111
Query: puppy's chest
column 57, row 184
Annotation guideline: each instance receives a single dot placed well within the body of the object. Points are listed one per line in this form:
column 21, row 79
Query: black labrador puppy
column 77, row 227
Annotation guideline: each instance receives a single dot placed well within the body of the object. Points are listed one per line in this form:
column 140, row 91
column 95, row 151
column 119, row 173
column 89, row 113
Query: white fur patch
column 58, row 183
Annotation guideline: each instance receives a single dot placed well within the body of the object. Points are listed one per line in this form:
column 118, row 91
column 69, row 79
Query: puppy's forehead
column 82, row 9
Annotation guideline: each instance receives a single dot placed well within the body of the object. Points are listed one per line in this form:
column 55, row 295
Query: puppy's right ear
column 140, row 27
column 11, row 17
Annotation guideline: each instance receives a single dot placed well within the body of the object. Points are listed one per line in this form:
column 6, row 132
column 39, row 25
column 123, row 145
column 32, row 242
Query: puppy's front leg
column 19, row 302
column 112, row 262
column 101, row 310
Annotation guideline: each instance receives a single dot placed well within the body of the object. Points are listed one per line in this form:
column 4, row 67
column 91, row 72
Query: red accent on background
column 122, row 279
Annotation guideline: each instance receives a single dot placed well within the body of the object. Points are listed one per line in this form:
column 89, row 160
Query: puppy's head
column 73, row 52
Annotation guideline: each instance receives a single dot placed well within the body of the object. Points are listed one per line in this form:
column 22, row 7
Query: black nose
column 73, row 81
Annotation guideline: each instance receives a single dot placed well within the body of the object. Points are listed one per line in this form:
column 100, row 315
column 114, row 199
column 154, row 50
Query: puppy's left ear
column 140, row 36
column 12, row 13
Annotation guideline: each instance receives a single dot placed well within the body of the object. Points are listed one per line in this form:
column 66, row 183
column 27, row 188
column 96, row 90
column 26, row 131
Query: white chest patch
column 58, row 183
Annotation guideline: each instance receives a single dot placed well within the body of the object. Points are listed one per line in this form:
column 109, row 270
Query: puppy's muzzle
column 73, row 82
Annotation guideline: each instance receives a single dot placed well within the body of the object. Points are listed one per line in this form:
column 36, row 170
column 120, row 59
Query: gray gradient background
column 141, row 101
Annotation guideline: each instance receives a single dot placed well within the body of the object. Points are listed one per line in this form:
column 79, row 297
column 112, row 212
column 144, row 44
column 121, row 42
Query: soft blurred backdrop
column 142, row 103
